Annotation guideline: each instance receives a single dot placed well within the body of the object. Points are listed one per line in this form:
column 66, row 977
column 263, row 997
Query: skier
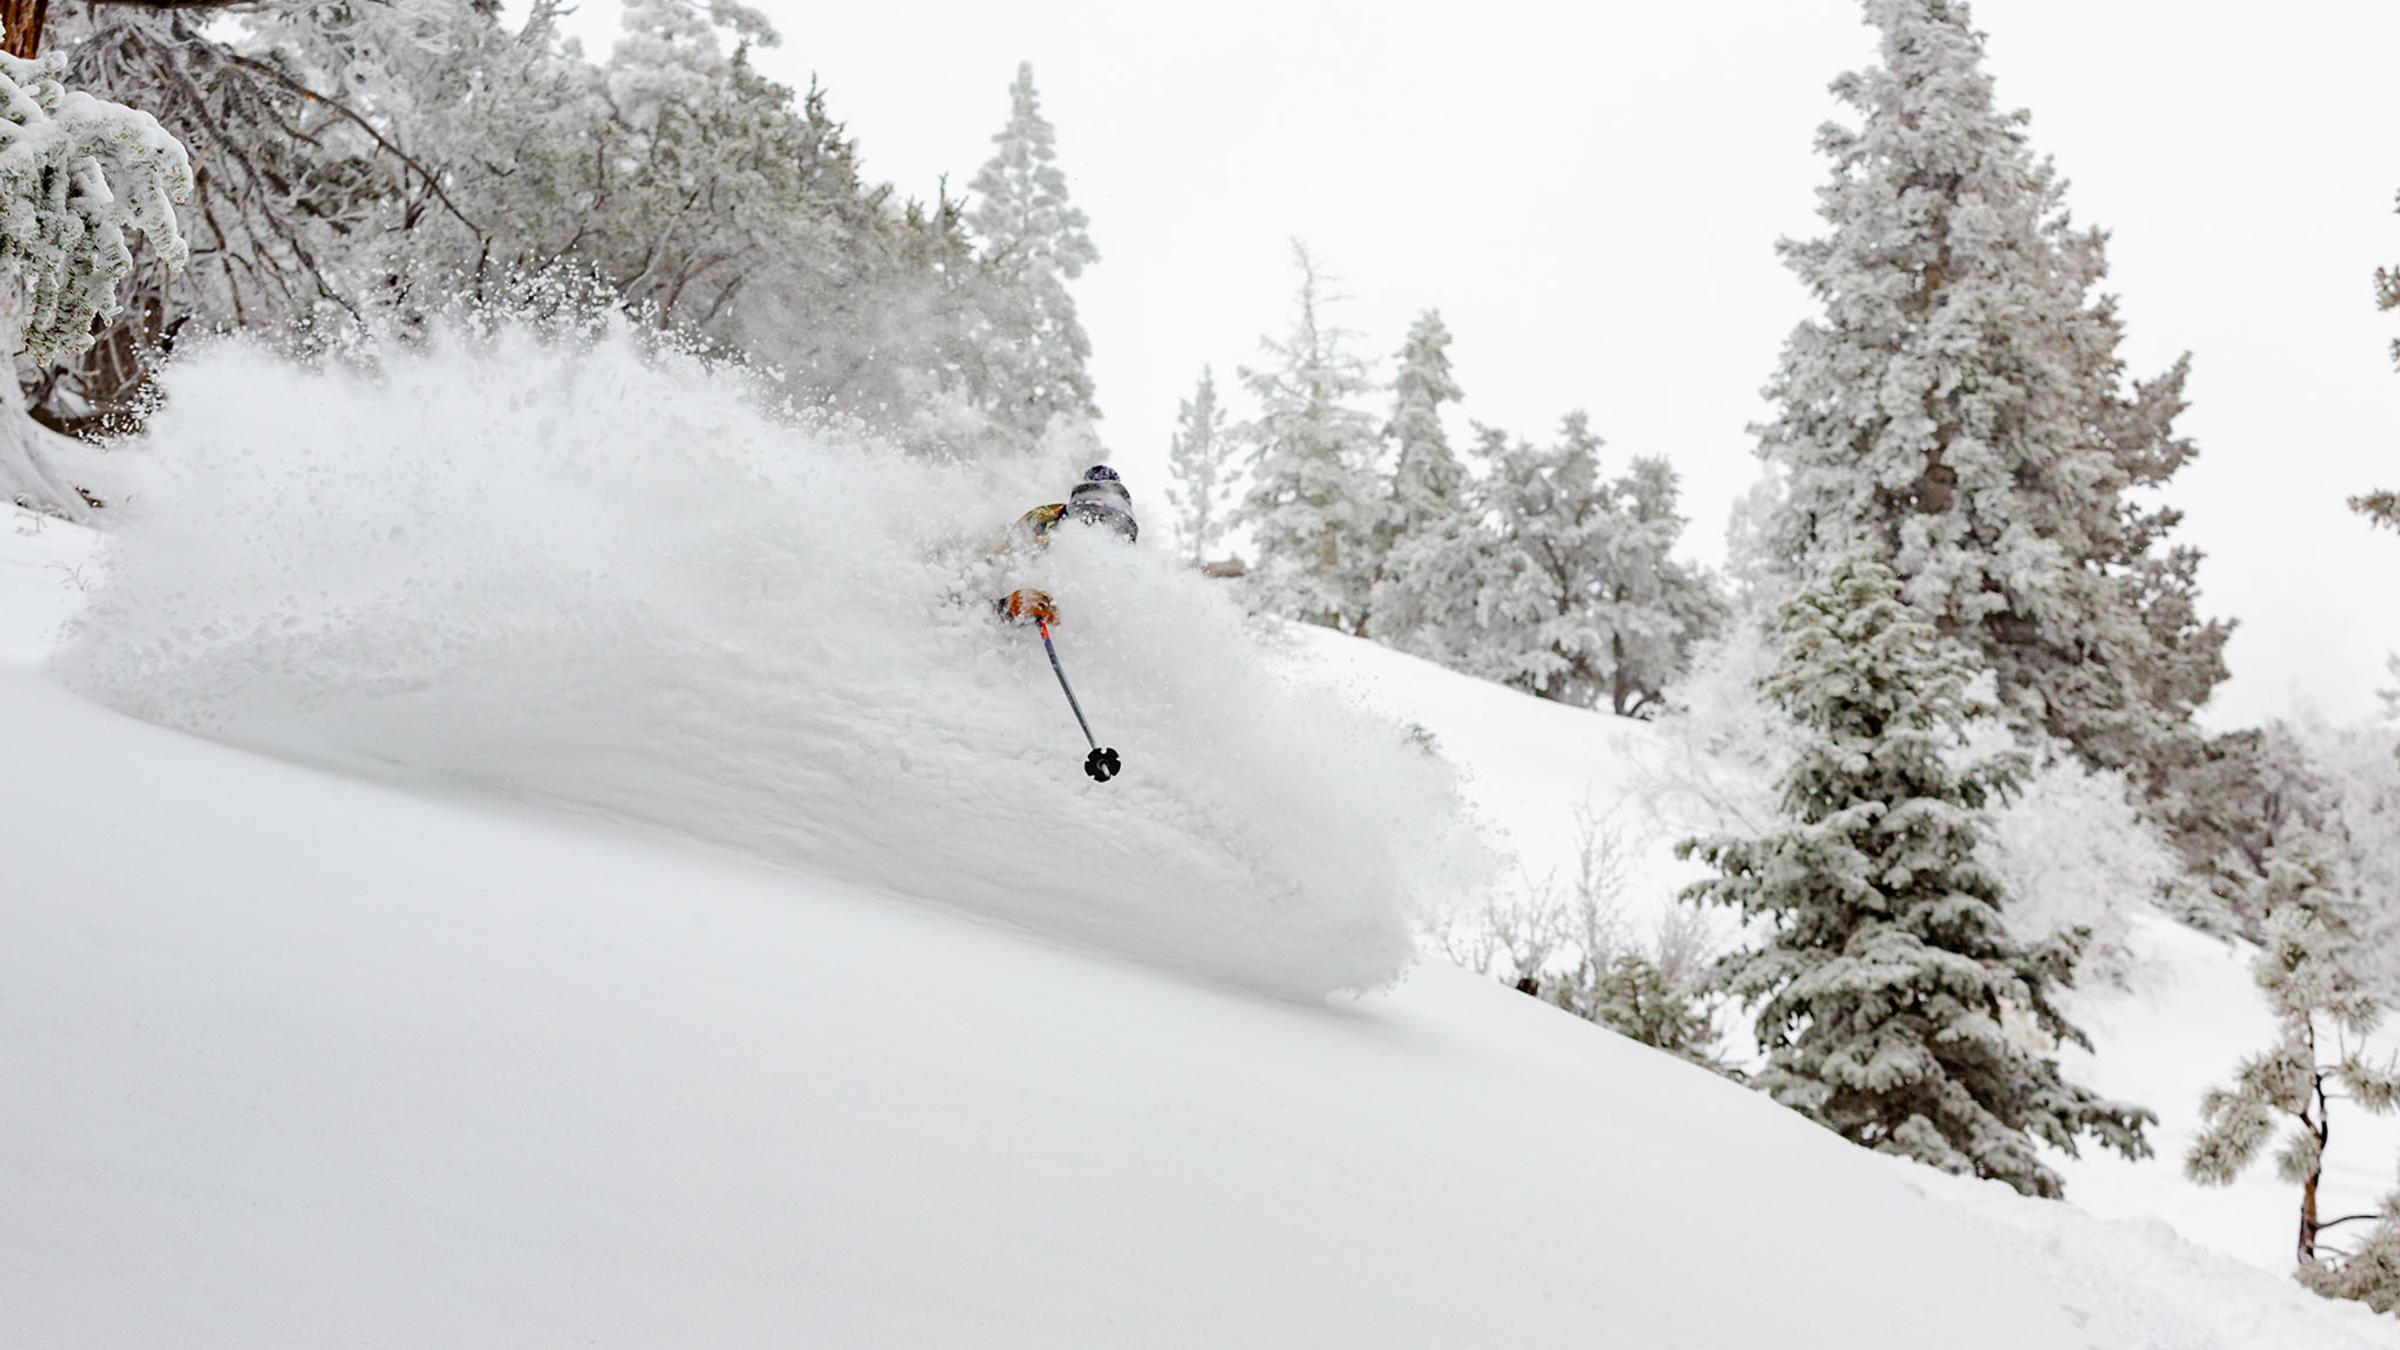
column 1101, row 500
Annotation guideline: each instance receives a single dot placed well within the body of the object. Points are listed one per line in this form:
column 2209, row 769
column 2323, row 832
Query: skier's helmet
column 1101, row 499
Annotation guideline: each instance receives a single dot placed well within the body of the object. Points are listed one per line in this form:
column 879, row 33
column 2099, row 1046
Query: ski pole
column 1101, row 764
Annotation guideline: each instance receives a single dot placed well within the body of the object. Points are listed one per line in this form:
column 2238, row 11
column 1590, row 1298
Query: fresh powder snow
column 630, row 899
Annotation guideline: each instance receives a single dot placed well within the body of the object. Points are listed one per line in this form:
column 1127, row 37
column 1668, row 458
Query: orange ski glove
column 1029, row 604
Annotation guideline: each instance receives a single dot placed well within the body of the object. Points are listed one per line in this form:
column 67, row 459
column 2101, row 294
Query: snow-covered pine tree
column 285, row 184
column 1313, row 498
column 1890, row 999
column 1034, row 242
column 1959, row 407
column 1431, row 547
column 1439, row 578
column 1428, row 482
column 81, row 179
column 1658, row 608
column 2383, row 505
column 1200, row 458
column 1551, row 510
column 354, row 158
column 1583, row 602
column 2309, row 970
column 2370, row 1271
column 707, row 151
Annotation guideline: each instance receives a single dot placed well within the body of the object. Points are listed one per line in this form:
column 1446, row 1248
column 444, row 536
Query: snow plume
column 595, row 575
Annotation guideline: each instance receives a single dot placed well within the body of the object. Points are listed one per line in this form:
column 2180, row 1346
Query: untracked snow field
column 300, row 1058
column 336, row 1009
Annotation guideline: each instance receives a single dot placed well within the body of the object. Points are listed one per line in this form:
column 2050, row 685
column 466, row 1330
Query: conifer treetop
column 1022, row 211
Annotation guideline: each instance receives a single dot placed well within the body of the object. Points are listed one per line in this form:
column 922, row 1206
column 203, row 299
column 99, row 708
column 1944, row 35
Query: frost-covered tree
column 1313, row 499
column 351, row 159
column 2383, row 505
column 1428, row 483
column 1201, row 459
column 1437, row 585
column 1433, row 550
column 1959, row 407
column 389, row 158
column 1035, row 241
column 703, row 155
column 2308, row 969
column 1891, row 1001
column 81, row 179
column 2369, row 1271
column 280, row 190
column 1583, row 602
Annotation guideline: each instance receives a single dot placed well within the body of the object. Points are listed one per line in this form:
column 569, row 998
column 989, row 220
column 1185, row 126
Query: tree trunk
column 2322, row 1127
column 23, row 19
column 26, row 476
column 2308, row 1219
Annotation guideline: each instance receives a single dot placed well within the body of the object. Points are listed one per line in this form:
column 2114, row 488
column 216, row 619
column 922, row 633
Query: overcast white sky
column 1591, row 194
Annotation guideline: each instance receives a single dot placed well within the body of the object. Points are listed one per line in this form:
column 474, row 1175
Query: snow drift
column 587, row 573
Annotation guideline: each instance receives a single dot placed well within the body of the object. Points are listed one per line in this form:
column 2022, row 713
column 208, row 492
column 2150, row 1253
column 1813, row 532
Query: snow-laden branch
column 76, row 173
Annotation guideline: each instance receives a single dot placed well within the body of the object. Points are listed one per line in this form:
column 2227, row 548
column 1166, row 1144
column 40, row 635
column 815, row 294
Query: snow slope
column 300, row 1058
column 2187, row 1013
column 307, row 1046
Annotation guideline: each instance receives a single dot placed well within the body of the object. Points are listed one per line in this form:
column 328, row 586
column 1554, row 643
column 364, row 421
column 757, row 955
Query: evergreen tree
column 707, row 153
column 1201, row 460
column 1583, row 603
column 1891, row 1001
column 2383, row 506
column 1439, row 580
column 366, row 160
column 1959, row 408
column 1428, row 482
column 1430, row 548
column 1034, row 243
column 2309, row 970
column 1312, row 502
column 83, row 179
column 2369, row 1272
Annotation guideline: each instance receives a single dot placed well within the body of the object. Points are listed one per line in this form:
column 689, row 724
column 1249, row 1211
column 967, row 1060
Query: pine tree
column 1583, row 603
column 2369, row 1272
column 1430, row 549
column 708, row 152
column 1201, row 459
column 1891, row 1002
column 1439, row 578
column 1959, row 407
column 1428, row 482
column 2309, row 970
column 2383, row 505
column 83, row 179
column 1034, row 242
column 1312, row 501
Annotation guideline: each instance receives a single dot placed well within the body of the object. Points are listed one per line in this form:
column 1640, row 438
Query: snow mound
column 591, row 574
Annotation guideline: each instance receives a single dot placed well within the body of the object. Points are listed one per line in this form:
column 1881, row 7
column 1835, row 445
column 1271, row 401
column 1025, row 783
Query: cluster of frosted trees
column 1966, row 533
column 1520, row 562
column 385, row 163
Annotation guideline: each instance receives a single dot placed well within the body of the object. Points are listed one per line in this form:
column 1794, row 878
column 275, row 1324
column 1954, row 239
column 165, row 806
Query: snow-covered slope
column 323, row 1048
column 2186, row 1013
column 301, row 1059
